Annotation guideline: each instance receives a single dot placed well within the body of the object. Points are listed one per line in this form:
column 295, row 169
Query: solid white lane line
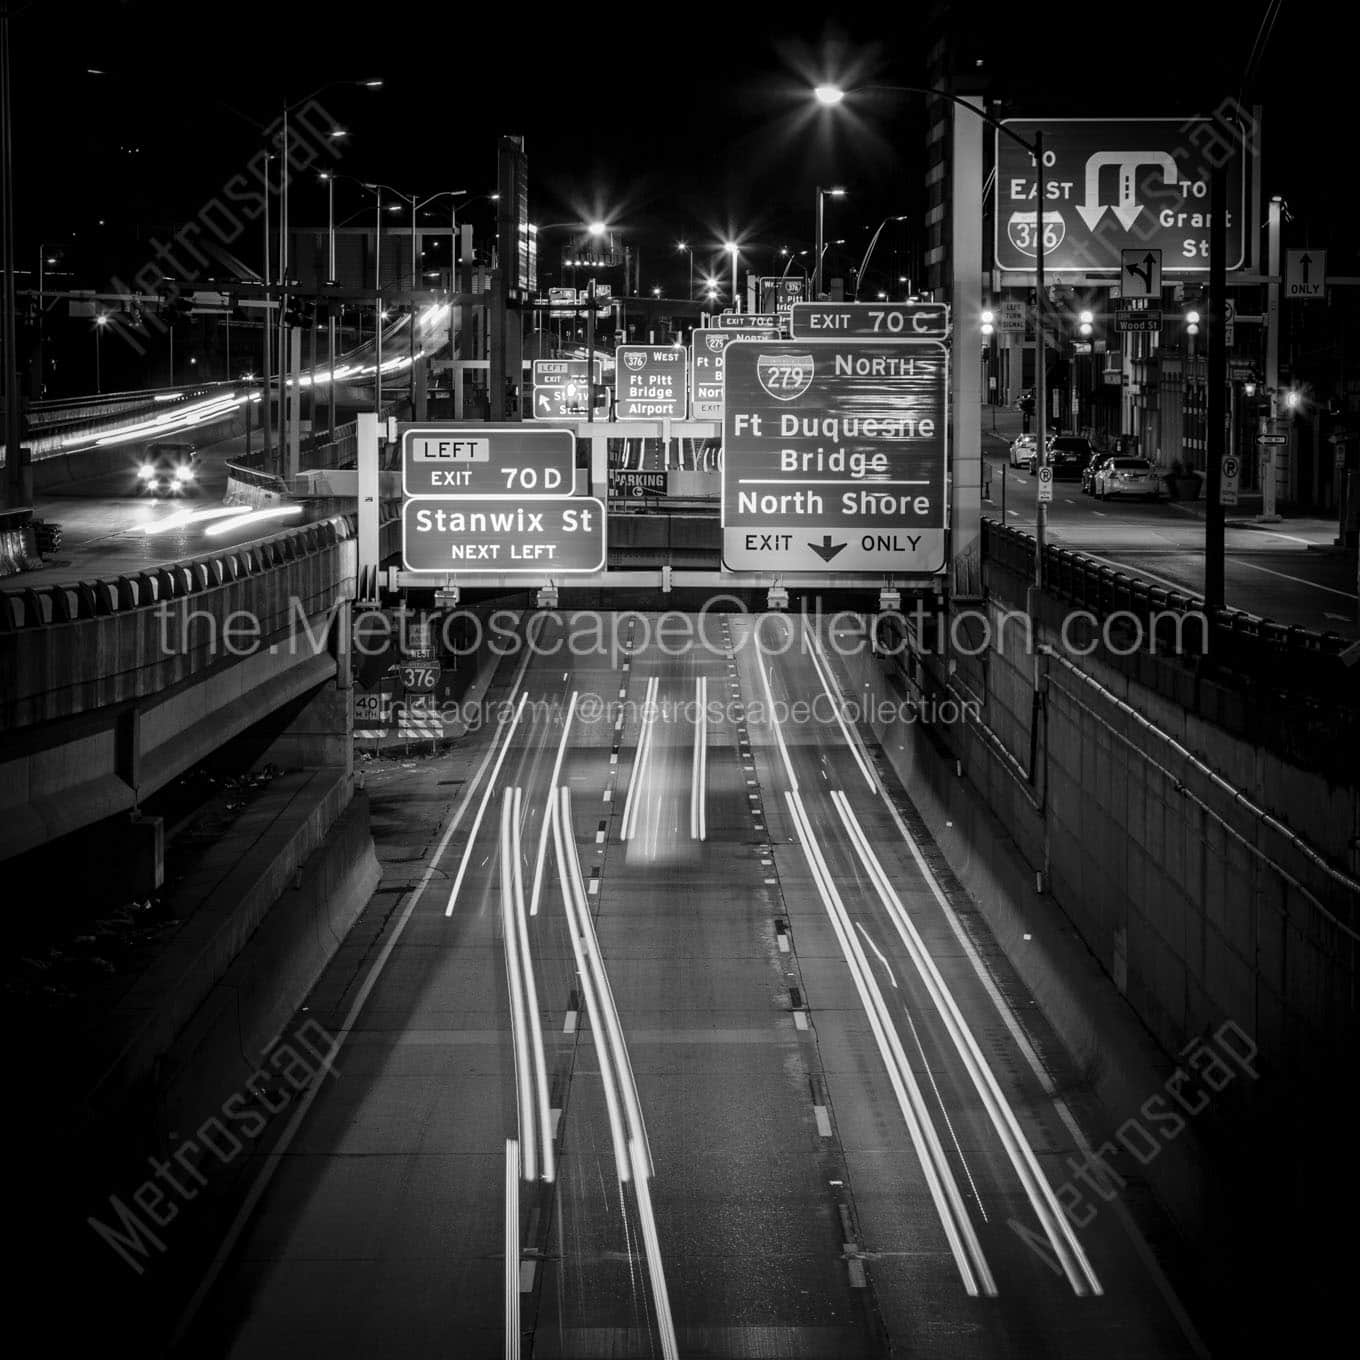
column 772, row 716
column 542, row 1101
column 569, row 877
column 512, row 1340
column 1298, row 580
column 694, row 768
column 519, row 1020
column 958, row 1227
column 638, row 774
column 823, row 1118
column 823, row 669
column 486, row 798
column 1066, row 1246
column 652, row 1246
column 868, row 939
column 300, row 1110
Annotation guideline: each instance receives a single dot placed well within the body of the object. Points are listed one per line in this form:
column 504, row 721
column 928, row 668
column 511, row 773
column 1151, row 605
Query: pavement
column 1290, row 572
column 757, row 1128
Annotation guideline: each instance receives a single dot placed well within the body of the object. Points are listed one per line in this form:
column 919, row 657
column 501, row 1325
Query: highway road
column 669, row 949
column 1286, row 571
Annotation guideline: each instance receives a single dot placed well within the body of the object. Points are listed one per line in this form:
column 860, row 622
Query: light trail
column 640, row 760
column 542, row 853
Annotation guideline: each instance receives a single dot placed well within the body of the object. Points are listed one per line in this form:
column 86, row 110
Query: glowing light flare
column 251, row 518
column 183, row 518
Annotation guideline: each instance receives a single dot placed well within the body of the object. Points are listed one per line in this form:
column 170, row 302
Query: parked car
column 1068, row 454
column 1088, row 473
column 1126, row 477
column 168, row 468
column 1022, row 448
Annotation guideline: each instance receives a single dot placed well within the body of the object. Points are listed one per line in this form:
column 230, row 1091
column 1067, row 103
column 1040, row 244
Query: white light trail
column 251, row 518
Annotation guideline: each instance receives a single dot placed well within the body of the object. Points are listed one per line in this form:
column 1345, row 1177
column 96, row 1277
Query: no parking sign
column 1045, row 483
column 1231, row 475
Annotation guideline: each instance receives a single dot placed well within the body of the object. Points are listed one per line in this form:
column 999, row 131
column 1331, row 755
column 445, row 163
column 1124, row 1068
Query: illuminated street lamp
column 822, row 195
column 100, row 321
column 733, row 249
column 684, row 245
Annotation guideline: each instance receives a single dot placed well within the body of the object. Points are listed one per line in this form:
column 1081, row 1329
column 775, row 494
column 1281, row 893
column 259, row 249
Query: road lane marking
column 953, row 1214
column 552, row 784
column 1298, row 580
column 1066, row 1246
column 698, row 817
column 486, row 798
column 823, row 1118
column 823, row 675
column 800, row 1020
column 512, row 1339
column 301, row 1109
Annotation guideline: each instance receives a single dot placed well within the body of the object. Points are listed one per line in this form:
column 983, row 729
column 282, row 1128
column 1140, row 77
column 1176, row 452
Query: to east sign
column 909, row 321
column 652, row 382
column 1112, row 184
column 470, row 458
column 835, row 456
column 517, row 535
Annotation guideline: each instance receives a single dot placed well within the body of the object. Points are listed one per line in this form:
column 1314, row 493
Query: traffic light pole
column 1216, row 378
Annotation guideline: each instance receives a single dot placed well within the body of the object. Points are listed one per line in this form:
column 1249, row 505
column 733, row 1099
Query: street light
column 733, row 249
column 868, row 254
column 828, row 95
column 822, row 196
column 100, row 321
column 682, row 245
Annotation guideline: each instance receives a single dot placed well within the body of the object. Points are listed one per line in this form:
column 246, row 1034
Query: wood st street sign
column 835, row 456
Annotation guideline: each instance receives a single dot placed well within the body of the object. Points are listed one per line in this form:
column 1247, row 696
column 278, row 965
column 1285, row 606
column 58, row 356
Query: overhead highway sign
column 835, row 456
column 471, row 458
column 881, row 320
column 652, row 382
column 523, row 535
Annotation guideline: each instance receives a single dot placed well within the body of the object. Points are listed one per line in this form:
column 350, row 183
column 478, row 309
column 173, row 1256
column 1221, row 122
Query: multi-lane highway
column 667, row 1034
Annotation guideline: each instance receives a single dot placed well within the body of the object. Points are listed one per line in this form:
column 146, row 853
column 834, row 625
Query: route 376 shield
column 785, row 376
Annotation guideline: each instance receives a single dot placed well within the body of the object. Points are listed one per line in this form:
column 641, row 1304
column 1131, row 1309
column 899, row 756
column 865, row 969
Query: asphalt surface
column 1286, row 571
column 789, row 994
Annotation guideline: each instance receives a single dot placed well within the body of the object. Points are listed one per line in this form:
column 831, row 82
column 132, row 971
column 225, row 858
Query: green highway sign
column 472, row 458
column 525, row 535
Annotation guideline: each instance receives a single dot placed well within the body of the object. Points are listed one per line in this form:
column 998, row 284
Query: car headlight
column 184, row 474
column 146, row 472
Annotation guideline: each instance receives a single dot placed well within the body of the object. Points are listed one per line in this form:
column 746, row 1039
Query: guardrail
column 23, row 608
column 1283, row 656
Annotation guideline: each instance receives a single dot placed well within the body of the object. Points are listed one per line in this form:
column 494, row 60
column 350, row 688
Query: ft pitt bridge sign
column 836, row 448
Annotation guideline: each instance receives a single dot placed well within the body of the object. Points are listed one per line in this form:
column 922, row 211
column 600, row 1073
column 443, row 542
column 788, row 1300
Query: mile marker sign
column 835, row 456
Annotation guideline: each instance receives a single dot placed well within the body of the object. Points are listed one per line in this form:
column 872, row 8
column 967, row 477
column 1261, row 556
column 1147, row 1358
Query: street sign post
column 470, row 458
column 835, row 456
column 706, row 368
column 1010, row 317
column 523, row 535
column 420, row 677
column 373, row 709
column 1116, row 184
column 1045, row 483
column 561, row 388
column 1138, row 314
column 1305, row 274
column 652, row 382
column 881, row 320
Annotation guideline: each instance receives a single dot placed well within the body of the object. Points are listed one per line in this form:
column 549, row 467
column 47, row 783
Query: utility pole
column 1216, row 378
column 14, row 471
column 1040, row 366
column 1267, row 462
column 590, row 351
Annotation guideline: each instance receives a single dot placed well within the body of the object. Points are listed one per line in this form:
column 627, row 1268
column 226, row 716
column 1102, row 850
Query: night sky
column 695, row 123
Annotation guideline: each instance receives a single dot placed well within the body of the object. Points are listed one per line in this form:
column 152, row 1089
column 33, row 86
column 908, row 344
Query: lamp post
column 733, row 250
column 831, row 95
column 101, row 320
column 868, row 254
column 683, row 245
column 822, row 196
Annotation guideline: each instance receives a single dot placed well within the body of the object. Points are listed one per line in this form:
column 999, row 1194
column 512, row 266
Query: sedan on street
column 1126, row 477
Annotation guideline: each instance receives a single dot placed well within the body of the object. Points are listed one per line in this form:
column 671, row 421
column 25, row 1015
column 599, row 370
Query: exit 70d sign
column 471, row 458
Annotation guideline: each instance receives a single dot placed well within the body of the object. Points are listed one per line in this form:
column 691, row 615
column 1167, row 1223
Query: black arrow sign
column 1145, row 273
column 1305, row 260
column 824, row 549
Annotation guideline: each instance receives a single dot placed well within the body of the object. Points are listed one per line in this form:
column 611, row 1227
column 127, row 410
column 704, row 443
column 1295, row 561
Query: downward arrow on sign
column 824, row 549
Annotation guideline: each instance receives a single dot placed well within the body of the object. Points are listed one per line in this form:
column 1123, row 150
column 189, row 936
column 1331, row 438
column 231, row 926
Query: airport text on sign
column 835, row 456
column 652, row 382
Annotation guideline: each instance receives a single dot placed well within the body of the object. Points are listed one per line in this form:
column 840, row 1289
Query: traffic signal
column 988, row 323
column 299, row 312
column 1192, row 322
column 1086, row 323
column 175, row 309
